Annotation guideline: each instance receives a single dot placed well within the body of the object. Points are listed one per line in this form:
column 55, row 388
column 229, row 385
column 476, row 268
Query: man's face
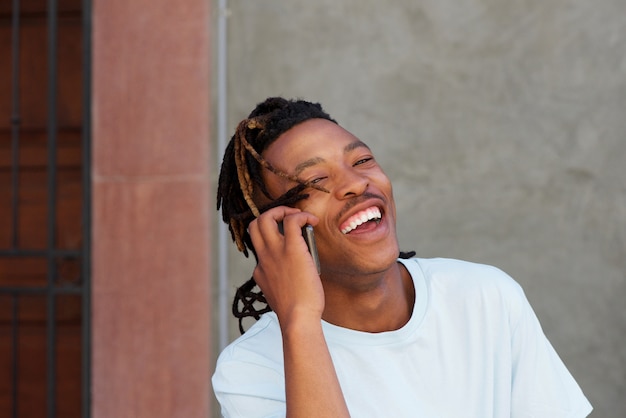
column 356, row 234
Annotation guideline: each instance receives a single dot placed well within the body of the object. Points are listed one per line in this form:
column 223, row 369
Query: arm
column 311, row 384
column 288, row 277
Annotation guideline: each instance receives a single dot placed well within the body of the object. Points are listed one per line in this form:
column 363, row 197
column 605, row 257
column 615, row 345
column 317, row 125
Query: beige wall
column 151, row 222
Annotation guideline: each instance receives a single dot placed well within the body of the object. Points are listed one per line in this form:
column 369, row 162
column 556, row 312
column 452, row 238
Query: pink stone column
column 151, row 215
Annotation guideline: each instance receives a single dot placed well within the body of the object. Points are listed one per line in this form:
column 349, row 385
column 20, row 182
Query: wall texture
column 502, row 127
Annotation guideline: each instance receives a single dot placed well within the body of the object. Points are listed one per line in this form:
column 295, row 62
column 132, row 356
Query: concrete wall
column 502, row 125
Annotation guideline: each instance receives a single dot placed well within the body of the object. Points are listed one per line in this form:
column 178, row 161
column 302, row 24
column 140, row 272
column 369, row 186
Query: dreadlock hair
column 240, row 181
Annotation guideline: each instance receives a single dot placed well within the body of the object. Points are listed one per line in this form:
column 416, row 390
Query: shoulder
column 257, row 345
column 249, row 376
column 465, row 274
column 254, row 357
column 465, row 282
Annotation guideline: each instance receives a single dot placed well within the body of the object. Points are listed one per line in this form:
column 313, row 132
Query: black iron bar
column 15, row 163
column 15, row 123
column 52, row 200
column 57, row 253
column 29, row 16
column 59, row 290
column 86, row 213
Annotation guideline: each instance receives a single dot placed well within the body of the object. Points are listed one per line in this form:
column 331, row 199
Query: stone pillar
column 151, row 215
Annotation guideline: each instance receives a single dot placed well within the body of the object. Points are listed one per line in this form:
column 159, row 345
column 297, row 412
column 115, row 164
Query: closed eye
column 316, row 180
column 363, row 160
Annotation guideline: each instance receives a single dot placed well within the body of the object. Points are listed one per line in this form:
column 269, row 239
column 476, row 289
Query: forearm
column 311, row 384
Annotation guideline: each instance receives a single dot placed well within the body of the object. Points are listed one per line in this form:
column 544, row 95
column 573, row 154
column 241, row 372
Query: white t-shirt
column 473, row 348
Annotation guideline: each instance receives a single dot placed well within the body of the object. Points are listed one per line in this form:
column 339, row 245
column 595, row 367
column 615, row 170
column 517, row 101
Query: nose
column 351, row 184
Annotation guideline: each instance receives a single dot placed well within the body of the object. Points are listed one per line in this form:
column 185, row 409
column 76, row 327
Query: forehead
column 314, row 139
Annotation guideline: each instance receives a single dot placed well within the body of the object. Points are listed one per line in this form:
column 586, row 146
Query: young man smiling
column 375, row 334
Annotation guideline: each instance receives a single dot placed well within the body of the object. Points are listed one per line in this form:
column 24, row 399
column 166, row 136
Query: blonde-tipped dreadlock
column 241, row 181
column 243, row 175
column 240, row 176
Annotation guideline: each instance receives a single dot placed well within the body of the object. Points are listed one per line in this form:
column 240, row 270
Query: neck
column 380, row 302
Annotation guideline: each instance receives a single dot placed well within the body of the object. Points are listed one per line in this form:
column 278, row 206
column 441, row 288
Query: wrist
column 300, row 323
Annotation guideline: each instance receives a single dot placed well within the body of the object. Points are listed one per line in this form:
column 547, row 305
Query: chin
column 383, row 260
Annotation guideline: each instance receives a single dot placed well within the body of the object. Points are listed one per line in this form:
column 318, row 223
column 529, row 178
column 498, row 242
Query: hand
column 286, row 272
column 287, row 275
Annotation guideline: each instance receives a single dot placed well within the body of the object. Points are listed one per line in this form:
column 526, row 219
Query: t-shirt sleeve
column 541, row 384
column 248, row 390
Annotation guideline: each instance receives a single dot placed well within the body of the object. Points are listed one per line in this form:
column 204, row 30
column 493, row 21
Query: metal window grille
column 45, row 208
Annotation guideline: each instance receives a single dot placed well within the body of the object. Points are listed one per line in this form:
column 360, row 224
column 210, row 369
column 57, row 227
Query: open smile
column 361, row 218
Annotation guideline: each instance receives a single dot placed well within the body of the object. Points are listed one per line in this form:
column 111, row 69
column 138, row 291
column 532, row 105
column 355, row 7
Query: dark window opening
column 44, row 208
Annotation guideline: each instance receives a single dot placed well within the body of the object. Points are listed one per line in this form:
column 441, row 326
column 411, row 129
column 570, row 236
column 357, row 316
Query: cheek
column 316, row 203
column 392, row 201
column 275, row 186
column 384, row 182
column 312, row 205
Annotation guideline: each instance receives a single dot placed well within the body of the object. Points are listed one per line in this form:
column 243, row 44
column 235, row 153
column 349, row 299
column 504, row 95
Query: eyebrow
column 316, row 160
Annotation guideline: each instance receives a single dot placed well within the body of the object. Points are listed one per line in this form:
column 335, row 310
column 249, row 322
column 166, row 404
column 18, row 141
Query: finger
column 268, row 222
column 293, row 224
column 264, row 229
column 255, row 236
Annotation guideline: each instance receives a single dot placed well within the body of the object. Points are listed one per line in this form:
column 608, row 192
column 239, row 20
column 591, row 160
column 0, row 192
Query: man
column 375, row 334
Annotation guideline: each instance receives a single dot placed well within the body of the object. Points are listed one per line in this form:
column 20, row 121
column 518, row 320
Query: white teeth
column 361, row 218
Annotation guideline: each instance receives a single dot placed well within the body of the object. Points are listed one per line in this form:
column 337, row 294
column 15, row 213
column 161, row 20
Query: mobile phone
column 309, row 238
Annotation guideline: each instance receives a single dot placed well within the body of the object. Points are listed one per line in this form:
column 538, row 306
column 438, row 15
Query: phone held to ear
column 309, row 238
